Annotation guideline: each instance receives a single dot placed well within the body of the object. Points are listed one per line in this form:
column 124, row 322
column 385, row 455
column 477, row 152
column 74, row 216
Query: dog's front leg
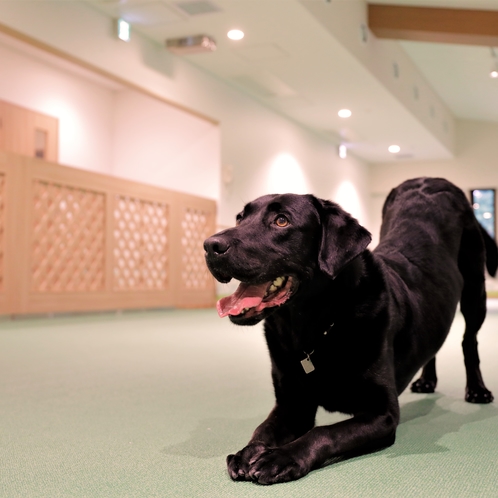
column 359, row 435
column 283, row 425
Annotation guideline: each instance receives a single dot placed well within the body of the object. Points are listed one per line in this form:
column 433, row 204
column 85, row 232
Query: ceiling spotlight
column 394, row 149
column 343, row 151
column 344, row 113
column 494, row 70
column 235, row 34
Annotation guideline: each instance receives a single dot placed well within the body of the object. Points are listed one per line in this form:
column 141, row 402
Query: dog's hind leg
column 473, row 307
column 428, row 379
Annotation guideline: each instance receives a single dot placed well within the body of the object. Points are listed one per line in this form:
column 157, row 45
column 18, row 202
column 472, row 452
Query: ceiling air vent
column 191, row 45
column 197, row 7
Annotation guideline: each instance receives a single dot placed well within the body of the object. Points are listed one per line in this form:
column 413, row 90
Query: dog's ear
column 343, row 238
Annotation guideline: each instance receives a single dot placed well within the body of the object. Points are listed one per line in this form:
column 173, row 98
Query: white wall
column 475, row 166
column 159, row 144
column 84, row 108
column 269, row 154
column 111, row 130
column 252, row 136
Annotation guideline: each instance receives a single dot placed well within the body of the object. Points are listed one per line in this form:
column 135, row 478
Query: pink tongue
column 246, row 296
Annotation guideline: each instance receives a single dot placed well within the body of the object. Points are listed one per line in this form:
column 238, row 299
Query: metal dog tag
column 307, row 365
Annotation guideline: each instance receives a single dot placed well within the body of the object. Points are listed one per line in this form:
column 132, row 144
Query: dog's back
column 426, row 213
column 434, row 252
column 426, row 219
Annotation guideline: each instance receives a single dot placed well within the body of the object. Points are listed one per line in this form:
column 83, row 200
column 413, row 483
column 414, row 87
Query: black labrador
column 347, row 329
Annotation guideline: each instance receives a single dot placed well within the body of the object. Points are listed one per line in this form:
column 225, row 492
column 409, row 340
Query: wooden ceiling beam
column 430, row 24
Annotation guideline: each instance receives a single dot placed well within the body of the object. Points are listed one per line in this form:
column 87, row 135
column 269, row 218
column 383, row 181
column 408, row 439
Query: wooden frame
column 52, row 217
column 432, row 24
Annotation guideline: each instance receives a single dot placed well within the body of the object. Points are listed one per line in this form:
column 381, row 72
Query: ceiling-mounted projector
column 191, row 45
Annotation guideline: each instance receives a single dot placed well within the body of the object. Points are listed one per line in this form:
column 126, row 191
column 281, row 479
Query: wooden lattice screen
column 73, row 240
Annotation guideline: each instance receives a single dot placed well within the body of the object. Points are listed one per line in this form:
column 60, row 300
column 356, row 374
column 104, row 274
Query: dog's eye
column 281, row 221
column 238, row 220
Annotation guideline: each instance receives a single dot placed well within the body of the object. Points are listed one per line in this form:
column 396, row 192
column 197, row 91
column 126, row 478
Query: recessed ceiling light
column 344, row 113
column 494, row 69
column 235, row 34
column 343, row 151
column 394, row 149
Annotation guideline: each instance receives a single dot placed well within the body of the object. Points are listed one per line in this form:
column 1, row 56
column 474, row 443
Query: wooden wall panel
column 434, row 24
column 13, row 245
column 2, row 226
column 195, row 221
column 28, row 132
column 2, row 125
column 73, row 240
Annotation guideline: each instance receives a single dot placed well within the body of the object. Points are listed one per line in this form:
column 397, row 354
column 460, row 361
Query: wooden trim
column 430, row 24
column 91, row 67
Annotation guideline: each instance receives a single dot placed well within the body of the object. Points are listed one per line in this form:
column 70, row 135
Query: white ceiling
column 291, row 63
column 458, row 73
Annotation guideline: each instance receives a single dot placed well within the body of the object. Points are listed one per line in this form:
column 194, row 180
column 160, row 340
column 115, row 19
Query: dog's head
column 279, row 243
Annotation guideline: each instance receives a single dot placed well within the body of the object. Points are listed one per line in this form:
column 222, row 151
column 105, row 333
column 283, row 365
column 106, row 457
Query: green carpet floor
column 148, row 404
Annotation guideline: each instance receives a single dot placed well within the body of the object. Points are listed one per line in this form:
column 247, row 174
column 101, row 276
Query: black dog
column 347, row 329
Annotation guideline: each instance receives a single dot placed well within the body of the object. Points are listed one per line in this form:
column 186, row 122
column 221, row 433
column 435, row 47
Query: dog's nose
column 216, row 245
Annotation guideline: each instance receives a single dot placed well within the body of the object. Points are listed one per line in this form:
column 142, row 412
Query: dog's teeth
column 275, row 285
column 278, row 282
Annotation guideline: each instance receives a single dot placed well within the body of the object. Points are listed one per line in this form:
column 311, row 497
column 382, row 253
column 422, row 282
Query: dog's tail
column 491, row 252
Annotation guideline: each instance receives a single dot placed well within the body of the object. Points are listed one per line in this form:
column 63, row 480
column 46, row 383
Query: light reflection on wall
column 286, row 175
column 72, row 134
column 347, row 197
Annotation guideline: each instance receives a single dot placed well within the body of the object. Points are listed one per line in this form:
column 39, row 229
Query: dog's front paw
column 423, row 386
column 277, row 465
column 481, row 395
column 240, row 463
